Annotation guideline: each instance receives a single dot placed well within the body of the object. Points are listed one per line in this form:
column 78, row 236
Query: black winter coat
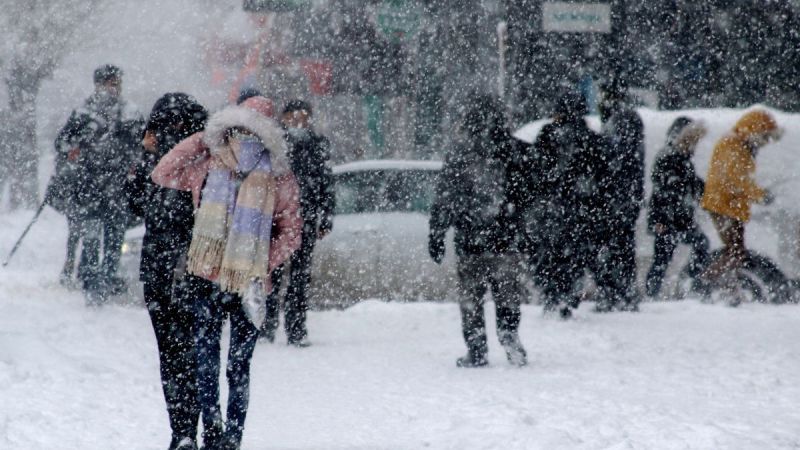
column 570, row 168
column 676, row 190
column 168, row 216
column 481, row 192
column 308, row 158
column 624, row 187
column 108, row 133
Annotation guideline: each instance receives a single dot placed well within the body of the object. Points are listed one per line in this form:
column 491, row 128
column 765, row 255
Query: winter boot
column 299, row 343
column 115, row 285
column 95, row 297
column 213, row 438
column 563, row 311
column 701, row 287
column 604, row 304
column 515, row 353
column 182, row 444
column 472, row 359
column 266, row 334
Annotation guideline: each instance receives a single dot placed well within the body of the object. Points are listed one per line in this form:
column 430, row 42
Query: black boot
column 214, row 437
column 185, row 443
column 472, row 359
column 515, row 352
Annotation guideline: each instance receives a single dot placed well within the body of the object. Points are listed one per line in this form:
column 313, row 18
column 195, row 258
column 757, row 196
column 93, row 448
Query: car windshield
column 385, row 191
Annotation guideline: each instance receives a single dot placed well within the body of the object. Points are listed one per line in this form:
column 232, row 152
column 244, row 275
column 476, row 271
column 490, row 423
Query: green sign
column 398, row 19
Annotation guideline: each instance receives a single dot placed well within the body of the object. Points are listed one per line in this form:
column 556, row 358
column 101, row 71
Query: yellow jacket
column 730, row 189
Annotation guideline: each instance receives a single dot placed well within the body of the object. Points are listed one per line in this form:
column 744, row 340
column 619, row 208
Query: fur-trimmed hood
column 266, row 129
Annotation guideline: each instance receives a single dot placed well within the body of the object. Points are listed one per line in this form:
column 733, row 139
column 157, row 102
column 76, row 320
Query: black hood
column 174, row 117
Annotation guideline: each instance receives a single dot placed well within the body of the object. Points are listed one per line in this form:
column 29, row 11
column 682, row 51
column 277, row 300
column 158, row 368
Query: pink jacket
column 185, row 168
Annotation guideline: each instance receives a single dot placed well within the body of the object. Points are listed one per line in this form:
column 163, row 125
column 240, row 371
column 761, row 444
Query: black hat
column 297, row 105
column 483, row 112
column 571, row 104
column 615, row 88
column 678, row 125
column 175, row 108
column 246, row 93
column 107, row 73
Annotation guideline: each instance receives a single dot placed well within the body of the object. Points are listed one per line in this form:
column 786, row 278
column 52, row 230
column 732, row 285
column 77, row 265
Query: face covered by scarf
column 233, row 226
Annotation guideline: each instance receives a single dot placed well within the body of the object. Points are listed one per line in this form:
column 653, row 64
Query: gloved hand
column 325, row 227
column 436, row 249
column 769, row 197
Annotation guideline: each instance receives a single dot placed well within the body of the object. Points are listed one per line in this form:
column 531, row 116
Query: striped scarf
column 233, row 226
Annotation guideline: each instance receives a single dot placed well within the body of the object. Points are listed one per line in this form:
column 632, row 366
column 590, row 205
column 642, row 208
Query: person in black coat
column 480, row 193
column 623, row 190
column 569, row 165
column 168, row 218
column 98, row 145
column 309, row 154
column 676, row 191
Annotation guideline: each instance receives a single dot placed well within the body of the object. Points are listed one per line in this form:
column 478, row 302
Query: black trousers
column 296, row 301
column 110, row 232
column 564, row 257
column 665, row 245
column 476, row 275
column 615, row 272
column 173, row 321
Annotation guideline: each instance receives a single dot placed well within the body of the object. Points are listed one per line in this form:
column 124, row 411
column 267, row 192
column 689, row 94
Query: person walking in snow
column 623, row 189
column 478, row 194
column 308, row 156
column 96, row 149
column 168, row 217
column 247, row 223
column 676, row 190
column 570, row 166
column 730, row 190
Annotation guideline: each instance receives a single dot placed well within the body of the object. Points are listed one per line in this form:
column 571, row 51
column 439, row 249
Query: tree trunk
column 20, row 152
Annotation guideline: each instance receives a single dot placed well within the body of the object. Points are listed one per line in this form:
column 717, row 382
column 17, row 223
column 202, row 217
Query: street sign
column 564, row 17
column 263, row 6
column 398, row 19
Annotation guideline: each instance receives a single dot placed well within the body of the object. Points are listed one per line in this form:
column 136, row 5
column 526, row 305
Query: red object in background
column 320, row 75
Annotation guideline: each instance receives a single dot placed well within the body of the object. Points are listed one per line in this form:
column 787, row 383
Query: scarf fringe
column 235, row 281
column 205, row 255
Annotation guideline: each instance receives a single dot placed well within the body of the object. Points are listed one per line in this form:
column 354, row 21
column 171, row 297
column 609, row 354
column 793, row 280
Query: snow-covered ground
column 382, row 375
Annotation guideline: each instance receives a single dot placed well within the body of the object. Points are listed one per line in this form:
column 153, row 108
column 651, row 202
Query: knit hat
column 571, row 104
column 174, row 108
column 683, row 127
column 615, row 89
column 106, row 73
column 297, row 105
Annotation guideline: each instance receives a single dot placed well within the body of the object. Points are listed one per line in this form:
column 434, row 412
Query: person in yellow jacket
column 730, row 189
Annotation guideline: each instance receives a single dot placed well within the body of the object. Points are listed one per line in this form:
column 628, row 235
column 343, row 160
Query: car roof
column 387, row 164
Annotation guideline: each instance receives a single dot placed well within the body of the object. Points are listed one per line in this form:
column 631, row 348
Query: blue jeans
column 211, row 312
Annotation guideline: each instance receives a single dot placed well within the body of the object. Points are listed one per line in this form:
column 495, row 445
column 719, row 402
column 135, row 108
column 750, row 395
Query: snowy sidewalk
column 383, row 375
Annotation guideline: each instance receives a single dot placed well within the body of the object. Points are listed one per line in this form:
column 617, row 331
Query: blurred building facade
column 389, row 77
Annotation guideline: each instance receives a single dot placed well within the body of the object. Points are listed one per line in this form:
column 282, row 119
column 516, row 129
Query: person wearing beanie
column 479, row 196
column 238, row 173
column 569, row 162
column 730, row 191
column 168, row 219
column 309, row 154
column 623, row 132
column 96, row 149
column 676, row 191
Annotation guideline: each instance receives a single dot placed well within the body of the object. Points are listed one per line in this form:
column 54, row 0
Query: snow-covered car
column 379, row 244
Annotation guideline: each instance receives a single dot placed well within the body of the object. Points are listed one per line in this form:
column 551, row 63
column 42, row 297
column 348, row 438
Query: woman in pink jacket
column 247, row 223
